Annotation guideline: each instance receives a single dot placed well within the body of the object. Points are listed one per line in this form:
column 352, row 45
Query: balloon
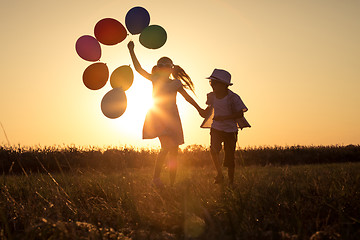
column 153, row 37
column 88, row 48
column 137, row 19
column 96, row 75
column 110, row 31
column 114, row 103
column 122, row 77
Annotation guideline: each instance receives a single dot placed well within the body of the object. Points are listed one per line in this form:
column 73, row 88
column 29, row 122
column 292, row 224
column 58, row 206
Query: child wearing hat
column 224, row 115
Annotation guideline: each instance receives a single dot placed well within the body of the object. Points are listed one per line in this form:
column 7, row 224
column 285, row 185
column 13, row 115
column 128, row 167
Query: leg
column 159, row 163
column 230, row 147
column 216, row 160
column 171, row 147
column 231, row 173
column 215, row 148
column 173, row 164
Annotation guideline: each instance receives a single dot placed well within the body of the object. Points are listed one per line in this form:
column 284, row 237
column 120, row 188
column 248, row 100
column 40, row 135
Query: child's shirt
column 221, row 108
column 228, row 105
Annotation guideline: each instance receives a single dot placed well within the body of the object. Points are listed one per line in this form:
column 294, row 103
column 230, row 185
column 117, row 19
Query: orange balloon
column 122, row 77
column 96, row 75
column 110, row 31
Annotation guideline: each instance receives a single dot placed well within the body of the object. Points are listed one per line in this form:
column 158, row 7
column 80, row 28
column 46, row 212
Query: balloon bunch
column 109, row 31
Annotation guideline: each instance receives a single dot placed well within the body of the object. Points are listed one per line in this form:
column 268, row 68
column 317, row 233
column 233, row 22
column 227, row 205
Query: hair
column 153, row 70
column 179, row 73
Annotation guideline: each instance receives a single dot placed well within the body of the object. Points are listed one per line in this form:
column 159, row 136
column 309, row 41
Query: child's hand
column 203, row 113
column 131, row 45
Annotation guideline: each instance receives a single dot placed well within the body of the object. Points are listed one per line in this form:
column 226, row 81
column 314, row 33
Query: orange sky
column 296, row 65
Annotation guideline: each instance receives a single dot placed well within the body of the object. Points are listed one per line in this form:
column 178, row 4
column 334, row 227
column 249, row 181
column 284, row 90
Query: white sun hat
column 221, row 76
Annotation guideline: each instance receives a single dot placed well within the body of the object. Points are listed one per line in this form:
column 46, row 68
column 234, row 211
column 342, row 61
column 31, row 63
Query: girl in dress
column 162, row 120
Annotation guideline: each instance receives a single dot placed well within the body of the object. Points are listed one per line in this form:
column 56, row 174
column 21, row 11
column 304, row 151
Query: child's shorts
column 229, row 139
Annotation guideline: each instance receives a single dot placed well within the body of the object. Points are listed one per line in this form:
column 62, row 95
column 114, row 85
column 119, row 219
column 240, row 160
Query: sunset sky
column 295, row 64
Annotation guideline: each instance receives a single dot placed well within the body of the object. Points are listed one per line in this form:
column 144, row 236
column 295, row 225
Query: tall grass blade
column 7, row 139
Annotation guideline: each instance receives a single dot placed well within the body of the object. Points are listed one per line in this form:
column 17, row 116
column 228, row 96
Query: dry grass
column 288, row 202
column 17, row 159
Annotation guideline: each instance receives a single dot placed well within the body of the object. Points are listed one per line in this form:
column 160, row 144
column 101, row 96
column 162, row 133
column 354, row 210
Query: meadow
column 70, row 192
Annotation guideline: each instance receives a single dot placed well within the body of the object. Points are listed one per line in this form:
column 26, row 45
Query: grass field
column 317, row 201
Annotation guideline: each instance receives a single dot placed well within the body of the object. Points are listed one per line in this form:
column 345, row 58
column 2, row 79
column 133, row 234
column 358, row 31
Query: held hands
column 131, row 46
column 203, row 113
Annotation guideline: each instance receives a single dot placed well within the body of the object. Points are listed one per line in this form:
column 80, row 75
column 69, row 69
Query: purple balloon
column 88, row 48
column 137, row 19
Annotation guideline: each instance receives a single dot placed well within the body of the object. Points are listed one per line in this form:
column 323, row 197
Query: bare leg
column 231, row 173
column 159, row 163
column 173, row 164
column 215, row 158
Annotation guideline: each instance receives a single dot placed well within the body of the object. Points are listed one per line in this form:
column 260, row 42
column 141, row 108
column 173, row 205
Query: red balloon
column 110, row 31
column 96, row 75
column 88, row 48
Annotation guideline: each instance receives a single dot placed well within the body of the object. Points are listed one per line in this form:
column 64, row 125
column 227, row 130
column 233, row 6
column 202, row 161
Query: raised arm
column 136, row 63
column 189, row 99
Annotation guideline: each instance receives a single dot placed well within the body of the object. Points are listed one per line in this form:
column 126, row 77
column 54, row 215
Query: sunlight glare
column 139, row 101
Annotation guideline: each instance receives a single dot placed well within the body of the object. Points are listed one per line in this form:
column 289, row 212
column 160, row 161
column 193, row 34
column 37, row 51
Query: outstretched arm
column 207, row 112
column 188, row 98
column 136, row 63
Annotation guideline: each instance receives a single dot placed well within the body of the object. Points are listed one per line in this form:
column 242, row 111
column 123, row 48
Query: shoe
column 157, row 183
column 219, row 179
column 231, row 186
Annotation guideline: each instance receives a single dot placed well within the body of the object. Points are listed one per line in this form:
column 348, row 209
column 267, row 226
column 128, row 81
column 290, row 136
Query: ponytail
column 179, row 73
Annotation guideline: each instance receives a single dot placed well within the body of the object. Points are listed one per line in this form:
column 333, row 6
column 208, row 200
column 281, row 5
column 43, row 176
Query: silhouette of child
column 162, row 120
column 225, row 114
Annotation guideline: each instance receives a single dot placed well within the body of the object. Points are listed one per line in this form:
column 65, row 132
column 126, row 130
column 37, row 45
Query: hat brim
column 219, row 80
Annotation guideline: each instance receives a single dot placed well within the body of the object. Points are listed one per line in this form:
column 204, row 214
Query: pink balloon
column 114, row 103
column 88, row 48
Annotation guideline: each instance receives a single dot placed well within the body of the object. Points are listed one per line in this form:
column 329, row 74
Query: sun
column 139, row 98
column 139, row 101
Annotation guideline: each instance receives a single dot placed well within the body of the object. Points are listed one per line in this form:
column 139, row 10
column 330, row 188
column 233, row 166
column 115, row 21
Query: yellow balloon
column 114, row 103
column 122, row 77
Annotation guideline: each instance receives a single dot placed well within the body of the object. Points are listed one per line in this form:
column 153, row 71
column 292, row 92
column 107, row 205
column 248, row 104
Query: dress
column 163, row 118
